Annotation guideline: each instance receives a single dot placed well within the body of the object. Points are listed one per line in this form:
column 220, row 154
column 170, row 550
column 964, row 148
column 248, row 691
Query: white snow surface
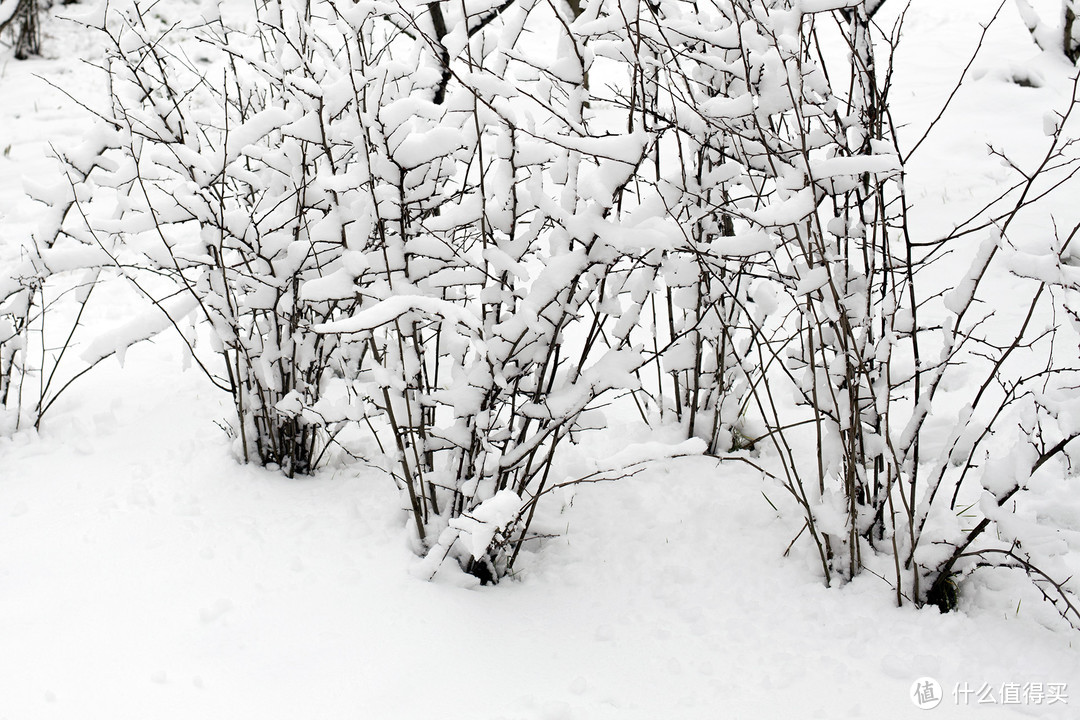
column 145, row 574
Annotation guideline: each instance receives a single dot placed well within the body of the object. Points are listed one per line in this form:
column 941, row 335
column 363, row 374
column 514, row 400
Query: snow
column 855, row 165
column 391, row 308
column 649, row 452
column 813, row 279
column 145, row 574
column 7, row 10
column 150, row 324
column 747, row 243
column 479, row 525
column 418, row 148
column 816, row 6
column 161, row 580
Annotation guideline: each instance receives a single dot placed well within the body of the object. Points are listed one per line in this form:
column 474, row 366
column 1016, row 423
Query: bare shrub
column 406, row 219
column 21, row 19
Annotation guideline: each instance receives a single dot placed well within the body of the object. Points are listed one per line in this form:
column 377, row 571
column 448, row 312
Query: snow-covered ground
column 145, row 574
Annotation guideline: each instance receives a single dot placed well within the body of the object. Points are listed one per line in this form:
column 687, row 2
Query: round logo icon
column 926, row 693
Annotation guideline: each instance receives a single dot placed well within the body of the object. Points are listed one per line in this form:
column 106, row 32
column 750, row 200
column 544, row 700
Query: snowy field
column 145, row 575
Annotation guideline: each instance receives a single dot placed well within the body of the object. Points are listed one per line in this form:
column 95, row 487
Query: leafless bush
column 404, row 218
column 1061, row 39
column 20, row 19
column 223, row 193
column 789, row 193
